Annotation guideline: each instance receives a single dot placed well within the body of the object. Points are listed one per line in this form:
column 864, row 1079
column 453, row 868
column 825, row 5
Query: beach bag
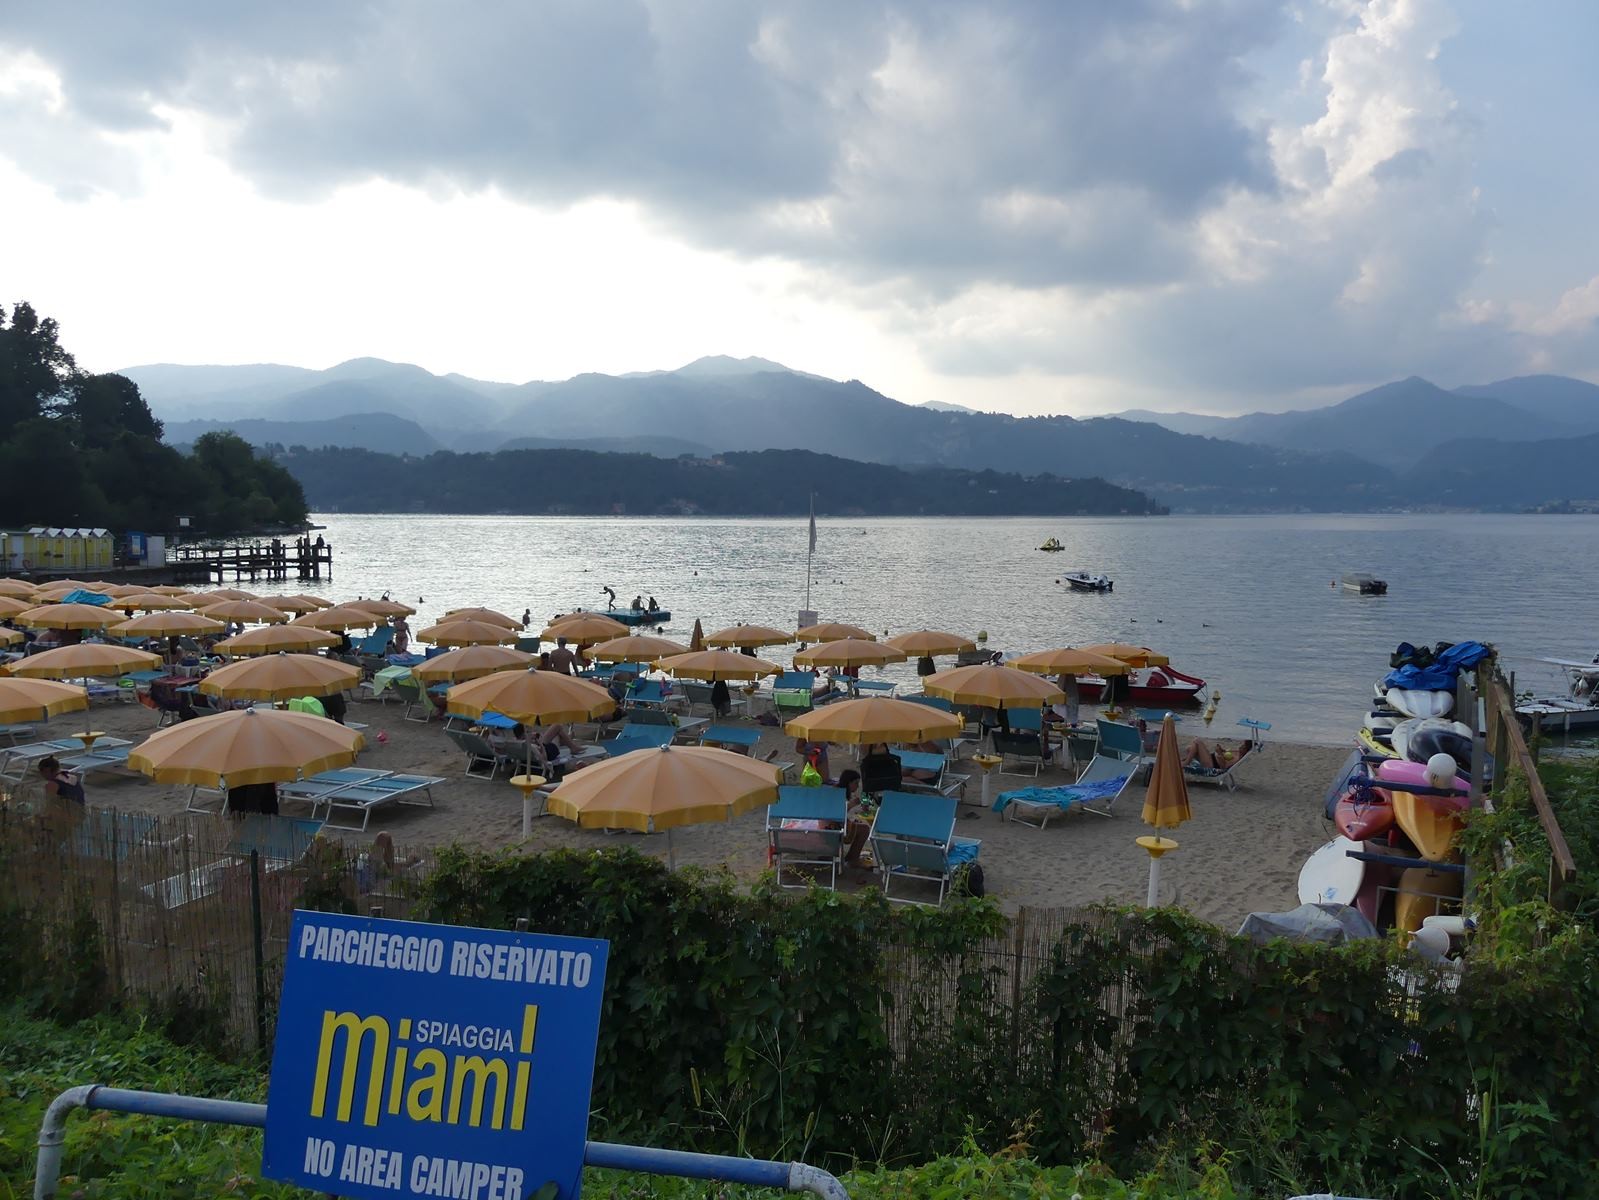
column 969, row 882
column 810, row 776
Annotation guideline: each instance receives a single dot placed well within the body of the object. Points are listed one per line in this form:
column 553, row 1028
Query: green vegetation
column 84, row 450
column 111, row 1156
column 767, row 482
column 1143, row 1044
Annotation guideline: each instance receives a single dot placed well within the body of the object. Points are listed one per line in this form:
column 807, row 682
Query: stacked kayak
column 1400, row 802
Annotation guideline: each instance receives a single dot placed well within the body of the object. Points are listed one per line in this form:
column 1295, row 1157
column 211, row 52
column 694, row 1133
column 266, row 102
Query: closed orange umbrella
column 487, row 615
column 1165, row 804
column 711, row 665
column 660, row 790
column 752, row 636
column 69, row 616
column 1133, row 656
column 245, row 612
column 639, row 648
column 849, row 652
column 166, row 624
column 471, row 662
column 280, row 677
column 832, row 631
column 270, row 639
column 25, row 700
column 247, row 746
column 86, row 659
column 464, row 633
column 874, row 719
column 532, row 697
column 930, row 643
column 696, row 641
column 992, row 687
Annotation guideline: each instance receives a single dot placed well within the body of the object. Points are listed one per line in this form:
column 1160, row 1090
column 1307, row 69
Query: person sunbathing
column 1214, row 758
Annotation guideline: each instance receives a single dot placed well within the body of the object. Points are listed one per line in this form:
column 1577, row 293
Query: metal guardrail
column 792, row 1177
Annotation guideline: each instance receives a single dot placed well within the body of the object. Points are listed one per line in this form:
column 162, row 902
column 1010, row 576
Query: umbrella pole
column 1154, row 882
column 671, row 853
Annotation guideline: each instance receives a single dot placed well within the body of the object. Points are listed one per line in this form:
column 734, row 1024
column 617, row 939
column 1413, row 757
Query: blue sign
column 432, row 1060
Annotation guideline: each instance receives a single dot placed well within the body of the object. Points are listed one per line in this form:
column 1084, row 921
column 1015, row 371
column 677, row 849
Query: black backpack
column 970, row 881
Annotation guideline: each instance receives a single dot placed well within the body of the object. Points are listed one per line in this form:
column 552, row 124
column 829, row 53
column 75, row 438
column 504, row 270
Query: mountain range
column 1361, row 453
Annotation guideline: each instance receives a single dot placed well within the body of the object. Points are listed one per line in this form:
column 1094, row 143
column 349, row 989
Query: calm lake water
column 1243, row 602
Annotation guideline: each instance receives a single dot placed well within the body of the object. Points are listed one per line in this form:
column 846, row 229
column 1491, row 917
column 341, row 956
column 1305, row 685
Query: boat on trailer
column 1082, row 581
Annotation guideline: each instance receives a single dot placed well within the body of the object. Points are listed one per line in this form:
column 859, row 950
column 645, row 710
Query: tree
column 105, row 406
column 36, row 374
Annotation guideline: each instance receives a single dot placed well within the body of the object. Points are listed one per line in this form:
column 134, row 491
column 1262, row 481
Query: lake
column 1243, row 602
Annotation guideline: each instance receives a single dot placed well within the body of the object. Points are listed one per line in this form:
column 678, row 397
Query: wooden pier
column 279, row 559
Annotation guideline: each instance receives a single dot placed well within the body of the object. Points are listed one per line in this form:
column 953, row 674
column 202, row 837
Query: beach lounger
column 417, row 701
column 698, row 693
column 1017, row 750
column 376, row 643
column 639, row 737
column 363, row 798
column 792, row 702
column 917, row 760
column 107, row 834
column 278, row 842
column 649, row 693
column 731, row 737
column 1223, row 776
column 913, row 838
column 482, row 760
column 313, row 789
column 1123, row 742
column 805, row 828
column 1095, row 791
column 16, row 732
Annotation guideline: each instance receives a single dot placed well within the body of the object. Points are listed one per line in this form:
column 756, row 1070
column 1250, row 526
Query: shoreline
column 1240, row 853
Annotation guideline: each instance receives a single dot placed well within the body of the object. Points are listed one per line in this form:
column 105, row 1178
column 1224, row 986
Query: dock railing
column 1508, row 744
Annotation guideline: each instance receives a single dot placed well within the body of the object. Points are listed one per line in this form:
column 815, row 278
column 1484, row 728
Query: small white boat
column 1082, row 581
column 1364, row 584
column 1577, row 709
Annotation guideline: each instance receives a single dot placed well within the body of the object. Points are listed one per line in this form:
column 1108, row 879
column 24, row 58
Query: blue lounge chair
column 364, row 797
column 377, row 642
column 647, row 693
column 1096, row 791
column 730, row 737
column 913, row 837
column 1122, row 742
column 639, row 737
column 805, row 828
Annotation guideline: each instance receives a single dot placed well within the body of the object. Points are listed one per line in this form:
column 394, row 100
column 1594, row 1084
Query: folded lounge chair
column 1096, row 791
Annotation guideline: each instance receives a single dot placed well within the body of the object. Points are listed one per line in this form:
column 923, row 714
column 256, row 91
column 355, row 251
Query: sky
column 1035, row 206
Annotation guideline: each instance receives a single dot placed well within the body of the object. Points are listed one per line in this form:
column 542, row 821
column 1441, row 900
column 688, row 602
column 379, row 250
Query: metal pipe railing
column 792, row 1176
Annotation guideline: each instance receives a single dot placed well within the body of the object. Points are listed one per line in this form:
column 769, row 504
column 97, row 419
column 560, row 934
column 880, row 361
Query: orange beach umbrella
column 269, row 639
column 711, row 665
column 471, row 662
column 1133, row 656
column 753, row 636
column 992, row 687
column 874, row 719
column 464, row 633
column 280, row 677
column 849, row 652
column 23, row 700
column 532, row 697
column 246, row 746
column 832, row 631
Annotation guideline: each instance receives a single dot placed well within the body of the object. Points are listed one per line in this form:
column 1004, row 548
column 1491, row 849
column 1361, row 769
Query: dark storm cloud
column 942, row 143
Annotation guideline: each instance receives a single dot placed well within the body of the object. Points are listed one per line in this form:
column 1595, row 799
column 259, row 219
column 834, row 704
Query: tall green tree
column 36, row 374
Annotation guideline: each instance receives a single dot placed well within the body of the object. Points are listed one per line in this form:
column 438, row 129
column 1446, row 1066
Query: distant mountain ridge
column 1353, row 455
column 1396, row 422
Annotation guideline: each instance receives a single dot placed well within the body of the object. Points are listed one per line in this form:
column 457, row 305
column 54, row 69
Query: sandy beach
column 1241, row 852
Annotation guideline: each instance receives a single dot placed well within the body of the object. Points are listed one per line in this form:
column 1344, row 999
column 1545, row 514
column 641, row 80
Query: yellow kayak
column 1369, row 743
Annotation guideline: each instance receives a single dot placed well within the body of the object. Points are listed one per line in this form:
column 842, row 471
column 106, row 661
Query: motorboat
column 1148, row 687
column 1052, row 545
column 1364, row 584
column 1577, row 709
column 1082, row 581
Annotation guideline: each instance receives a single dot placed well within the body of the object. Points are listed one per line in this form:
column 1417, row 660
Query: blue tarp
column 1440, row 675
column 82, row 597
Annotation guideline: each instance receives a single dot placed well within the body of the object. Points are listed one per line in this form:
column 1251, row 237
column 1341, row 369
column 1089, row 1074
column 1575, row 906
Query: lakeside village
column 1029, row 904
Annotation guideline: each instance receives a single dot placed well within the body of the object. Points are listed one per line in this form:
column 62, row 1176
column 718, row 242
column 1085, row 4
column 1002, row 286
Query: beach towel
column 1065, row 797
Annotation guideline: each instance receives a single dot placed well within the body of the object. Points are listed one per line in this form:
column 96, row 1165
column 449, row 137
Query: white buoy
column 1441, row 769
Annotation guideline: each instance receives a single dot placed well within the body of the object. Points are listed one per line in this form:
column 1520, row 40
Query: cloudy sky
column 1057, row 206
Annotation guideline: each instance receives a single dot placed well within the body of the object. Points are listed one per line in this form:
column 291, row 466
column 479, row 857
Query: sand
column 1240, row 853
